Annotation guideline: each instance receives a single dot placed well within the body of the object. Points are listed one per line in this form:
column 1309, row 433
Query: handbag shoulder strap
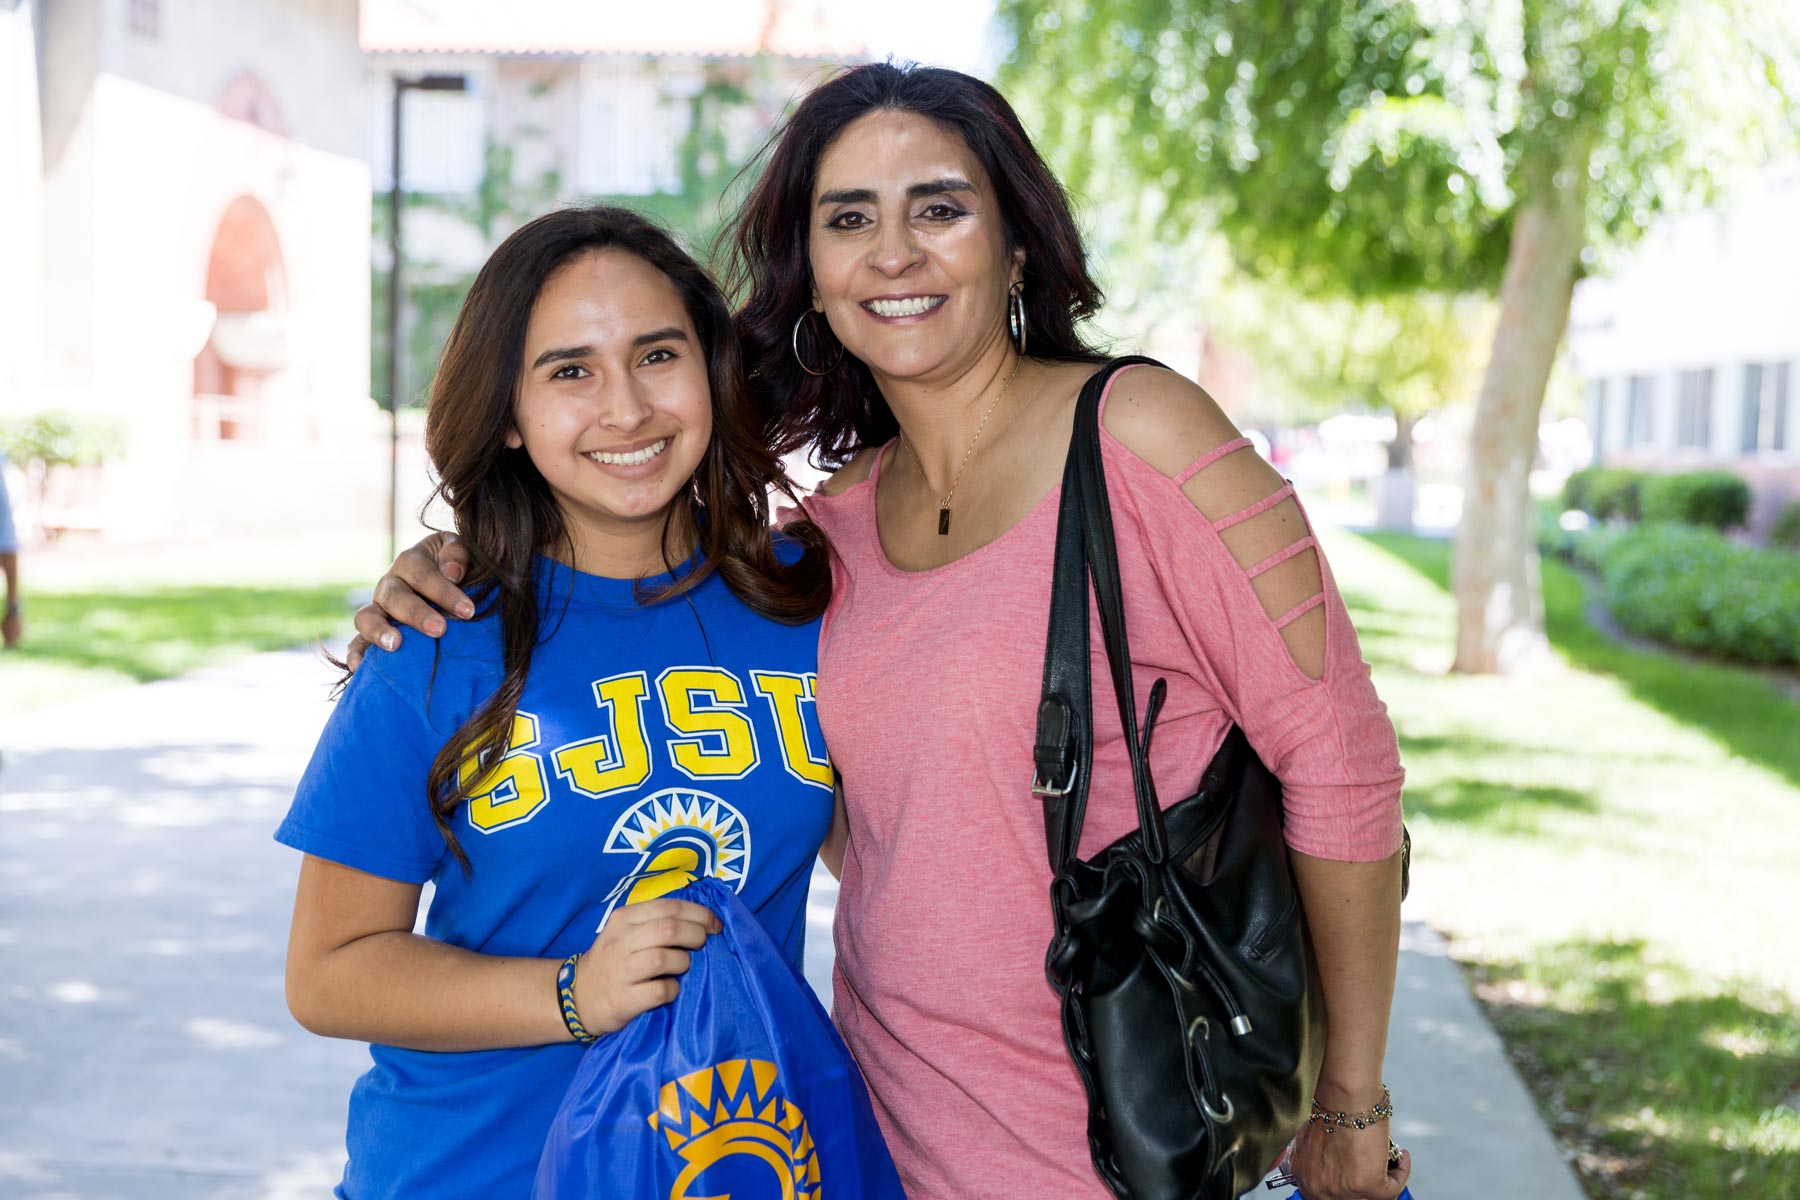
column 1084, row 550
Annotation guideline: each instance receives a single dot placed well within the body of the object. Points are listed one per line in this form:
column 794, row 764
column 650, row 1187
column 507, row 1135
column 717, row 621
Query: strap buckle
column 1053, row 753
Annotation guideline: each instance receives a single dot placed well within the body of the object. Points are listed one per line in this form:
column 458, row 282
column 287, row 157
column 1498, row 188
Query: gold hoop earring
column 795, row 341
column 1015, row 315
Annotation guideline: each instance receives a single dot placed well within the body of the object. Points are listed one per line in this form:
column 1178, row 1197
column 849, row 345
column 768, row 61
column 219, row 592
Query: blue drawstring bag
column 738, row 1087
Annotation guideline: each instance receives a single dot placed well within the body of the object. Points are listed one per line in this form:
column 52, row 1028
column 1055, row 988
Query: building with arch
column 188, row 204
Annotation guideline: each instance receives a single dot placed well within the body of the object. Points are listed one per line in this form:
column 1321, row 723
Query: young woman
column 629, row 707
column 913, row 285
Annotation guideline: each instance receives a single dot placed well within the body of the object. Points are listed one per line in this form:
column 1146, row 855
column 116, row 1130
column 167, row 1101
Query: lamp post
column 402, row 85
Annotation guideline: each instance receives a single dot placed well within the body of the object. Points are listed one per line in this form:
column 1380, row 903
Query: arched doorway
column 247, row 288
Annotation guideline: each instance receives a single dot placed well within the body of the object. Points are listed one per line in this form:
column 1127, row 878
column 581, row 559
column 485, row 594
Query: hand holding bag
column 737, row 1087
column 1190, row 1002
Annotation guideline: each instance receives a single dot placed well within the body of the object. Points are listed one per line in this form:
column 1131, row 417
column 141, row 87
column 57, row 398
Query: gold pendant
column 943, row 522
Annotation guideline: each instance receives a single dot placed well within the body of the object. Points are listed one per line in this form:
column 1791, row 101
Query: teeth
column 911, row 307
column 633, row 458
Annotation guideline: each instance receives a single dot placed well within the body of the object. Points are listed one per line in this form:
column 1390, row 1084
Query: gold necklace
column 944, row 504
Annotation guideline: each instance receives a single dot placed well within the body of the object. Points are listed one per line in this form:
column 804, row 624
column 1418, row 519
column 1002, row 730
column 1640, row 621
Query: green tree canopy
column 1386, row 145
column 1396, row 146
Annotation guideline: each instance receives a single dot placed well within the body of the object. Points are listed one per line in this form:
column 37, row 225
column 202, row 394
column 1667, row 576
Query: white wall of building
column 152, row 129
column 1714, row 292
column 21, row 209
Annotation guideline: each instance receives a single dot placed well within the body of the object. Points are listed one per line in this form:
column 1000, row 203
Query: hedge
column 1716, row 499
column 1697, row 589
column 1604, row 492
column 1785, row 532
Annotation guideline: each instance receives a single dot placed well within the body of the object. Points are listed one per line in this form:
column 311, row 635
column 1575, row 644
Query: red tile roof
column 703, row 28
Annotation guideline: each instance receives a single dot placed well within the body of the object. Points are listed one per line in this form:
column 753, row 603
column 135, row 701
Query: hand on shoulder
column 1164, row 418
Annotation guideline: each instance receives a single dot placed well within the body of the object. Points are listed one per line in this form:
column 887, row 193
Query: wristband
column 565, row 998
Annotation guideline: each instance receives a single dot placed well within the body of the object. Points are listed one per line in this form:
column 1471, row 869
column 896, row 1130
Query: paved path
column 146, row 1052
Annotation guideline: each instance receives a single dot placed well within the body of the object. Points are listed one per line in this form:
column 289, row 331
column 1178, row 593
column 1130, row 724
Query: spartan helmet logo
column 678, row 835
column 731, row 1123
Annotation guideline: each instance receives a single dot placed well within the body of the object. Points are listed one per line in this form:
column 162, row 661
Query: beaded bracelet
column 565, row 995
column 1334, row 1121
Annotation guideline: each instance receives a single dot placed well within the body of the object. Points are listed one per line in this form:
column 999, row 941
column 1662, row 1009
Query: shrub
column 1576, row 488
column 1613, row 492
column 58, row 438
column 1786, row 529
column 1591, row 547
column 1697, row 589
column 1716, row 499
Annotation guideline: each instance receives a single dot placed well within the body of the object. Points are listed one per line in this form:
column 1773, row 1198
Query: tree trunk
column 1499, row 624
column 1400, row 450
column 1397, row 492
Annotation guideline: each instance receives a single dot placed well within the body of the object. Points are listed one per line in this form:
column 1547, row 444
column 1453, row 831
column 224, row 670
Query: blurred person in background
column 13, row 626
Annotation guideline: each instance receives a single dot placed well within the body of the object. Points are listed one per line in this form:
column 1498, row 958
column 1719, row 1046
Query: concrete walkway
column 146, row 1052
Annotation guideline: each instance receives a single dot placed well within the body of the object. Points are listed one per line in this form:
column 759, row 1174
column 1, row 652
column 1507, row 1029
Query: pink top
column 928, row 689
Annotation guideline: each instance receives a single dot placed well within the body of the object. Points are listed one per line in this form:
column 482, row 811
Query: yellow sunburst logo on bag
column 735, row 1109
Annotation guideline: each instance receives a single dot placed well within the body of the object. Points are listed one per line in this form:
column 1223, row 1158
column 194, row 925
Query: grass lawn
column 103, row 616
column 1613, row 844
column 77, row 642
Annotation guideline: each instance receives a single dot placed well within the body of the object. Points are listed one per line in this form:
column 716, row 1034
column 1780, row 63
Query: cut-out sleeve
column 1242, row 572
column 1270, row 541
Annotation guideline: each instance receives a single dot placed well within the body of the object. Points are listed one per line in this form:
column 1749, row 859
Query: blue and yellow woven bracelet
column 565, row 994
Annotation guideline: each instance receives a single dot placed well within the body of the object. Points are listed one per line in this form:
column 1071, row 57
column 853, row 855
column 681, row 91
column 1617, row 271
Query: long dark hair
column 842, row 410
column 504, row 510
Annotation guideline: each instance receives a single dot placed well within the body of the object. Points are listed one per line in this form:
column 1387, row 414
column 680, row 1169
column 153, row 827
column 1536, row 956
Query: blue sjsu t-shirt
column 653, row 744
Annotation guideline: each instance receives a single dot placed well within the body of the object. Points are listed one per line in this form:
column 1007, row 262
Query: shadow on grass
column 1740, row 709
column 1497, row 807
column 155, row 633
column 1665, row 1090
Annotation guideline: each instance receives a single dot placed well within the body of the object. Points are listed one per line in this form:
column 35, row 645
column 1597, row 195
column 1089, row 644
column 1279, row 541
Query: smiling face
column 614, row 407
column 908, row 249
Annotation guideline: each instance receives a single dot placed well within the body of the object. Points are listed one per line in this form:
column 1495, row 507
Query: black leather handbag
column 1190, row 1002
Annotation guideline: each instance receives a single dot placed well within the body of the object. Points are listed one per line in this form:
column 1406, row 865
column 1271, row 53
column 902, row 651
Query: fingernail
column 389, row 641
column 453, row 572
column 465, row 609
column 434, row 627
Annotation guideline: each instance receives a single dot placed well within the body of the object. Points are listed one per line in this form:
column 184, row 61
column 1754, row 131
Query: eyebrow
column 930, row 187
column 565, row 353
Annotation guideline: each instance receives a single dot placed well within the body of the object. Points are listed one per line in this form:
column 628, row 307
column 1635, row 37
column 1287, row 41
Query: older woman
column 912, row 281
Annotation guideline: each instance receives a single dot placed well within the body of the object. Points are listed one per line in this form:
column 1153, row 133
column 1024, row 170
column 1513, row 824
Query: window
column 629, row 133
column 1765, row 424
column 1596, row 405
column 146, row 17
column 1694, row 420
column 1640, row 411
column 443, row 140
